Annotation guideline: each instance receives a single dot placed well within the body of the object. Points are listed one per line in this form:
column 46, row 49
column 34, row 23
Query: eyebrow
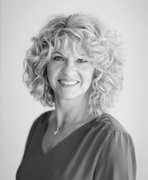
column 56, row 52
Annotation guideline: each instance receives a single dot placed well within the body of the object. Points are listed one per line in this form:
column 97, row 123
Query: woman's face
column 69, row 76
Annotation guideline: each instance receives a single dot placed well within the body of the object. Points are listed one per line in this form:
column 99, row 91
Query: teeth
column 68, row 82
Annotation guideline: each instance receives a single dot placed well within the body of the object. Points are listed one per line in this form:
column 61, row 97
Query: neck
column 70, row 111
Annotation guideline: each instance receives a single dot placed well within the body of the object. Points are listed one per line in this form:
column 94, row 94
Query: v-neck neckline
column 65, row 139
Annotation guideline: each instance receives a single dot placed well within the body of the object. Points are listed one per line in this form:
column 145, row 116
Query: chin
column 71, row 96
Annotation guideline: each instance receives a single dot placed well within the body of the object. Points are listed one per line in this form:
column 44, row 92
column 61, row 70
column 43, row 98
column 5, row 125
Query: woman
column 75, row 66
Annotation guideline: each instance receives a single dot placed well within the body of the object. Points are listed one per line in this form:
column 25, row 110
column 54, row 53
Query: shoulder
column 39, row 122
column 112, row 137
column 108, row 122
column 109, row 131
column 41, row 119
column 117, row 154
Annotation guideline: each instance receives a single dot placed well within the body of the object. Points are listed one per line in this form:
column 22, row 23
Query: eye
column 58, row 58
column 82, row 61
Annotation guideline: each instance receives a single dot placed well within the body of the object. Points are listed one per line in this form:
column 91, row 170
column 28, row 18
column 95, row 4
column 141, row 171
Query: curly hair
column 102, row 44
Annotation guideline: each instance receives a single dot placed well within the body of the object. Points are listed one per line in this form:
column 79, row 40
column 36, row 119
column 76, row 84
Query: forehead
column 70, row 45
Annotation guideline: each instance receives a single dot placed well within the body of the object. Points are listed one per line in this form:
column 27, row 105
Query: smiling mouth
column 68, row 83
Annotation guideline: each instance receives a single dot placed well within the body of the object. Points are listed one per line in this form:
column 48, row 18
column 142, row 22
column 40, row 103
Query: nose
column 69, row 67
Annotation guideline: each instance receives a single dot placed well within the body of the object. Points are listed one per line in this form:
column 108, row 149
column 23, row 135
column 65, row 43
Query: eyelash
column 82, row 61
column 59, row 57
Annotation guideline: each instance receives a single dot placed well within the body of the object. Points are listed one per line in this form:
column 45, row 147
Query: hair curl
column 102, row 45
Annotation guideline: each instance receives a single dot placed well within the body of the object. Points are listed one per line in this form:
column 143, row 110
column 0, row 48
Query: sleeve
column 117, row 160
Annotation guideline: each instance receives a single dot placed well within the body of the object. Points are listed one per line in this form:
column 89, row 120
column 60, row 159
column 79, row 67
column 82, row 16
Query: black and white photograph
column 73, row 90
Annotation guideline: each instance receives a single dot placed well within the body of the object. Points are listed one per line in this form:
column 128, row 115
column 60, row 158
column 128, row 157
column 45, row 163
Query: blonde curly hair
column 102, row 45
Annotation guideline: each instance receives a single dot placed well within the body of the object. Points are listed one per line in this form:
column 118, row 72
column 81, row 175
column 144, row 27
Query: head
column 70, row 71
column 86, row 38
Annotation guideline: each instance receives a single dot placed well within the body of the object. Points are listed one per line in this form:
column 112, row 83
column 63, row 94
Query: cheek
column 87, row 77
column 89, row 73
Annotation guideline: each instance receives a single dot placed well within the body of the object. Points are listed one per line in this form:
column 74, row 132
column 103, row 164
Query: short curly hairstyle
column 102, row 44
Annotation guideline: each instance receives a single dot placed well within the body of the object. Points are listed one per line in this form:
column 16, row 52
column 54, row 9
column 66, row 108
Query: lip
column 67, row 79
column 68, row 82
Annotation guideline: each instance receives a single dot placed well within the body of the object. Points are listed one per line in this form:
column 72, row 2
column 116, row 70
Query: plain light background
column 22, row 19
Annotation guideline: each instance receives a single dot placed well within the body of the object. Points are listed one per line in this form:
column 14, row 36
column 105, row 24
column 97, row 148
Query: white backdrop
column 20, row 20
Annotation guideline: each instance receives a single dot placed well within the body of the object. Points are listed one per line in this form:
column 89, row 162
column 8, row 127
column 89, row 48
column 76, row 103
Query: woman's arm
column 117, row 160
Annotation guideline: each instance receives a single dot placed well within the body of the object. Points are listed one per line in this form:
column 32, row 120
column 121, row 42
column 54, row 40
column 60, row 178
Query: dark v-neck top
column 99, row 150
